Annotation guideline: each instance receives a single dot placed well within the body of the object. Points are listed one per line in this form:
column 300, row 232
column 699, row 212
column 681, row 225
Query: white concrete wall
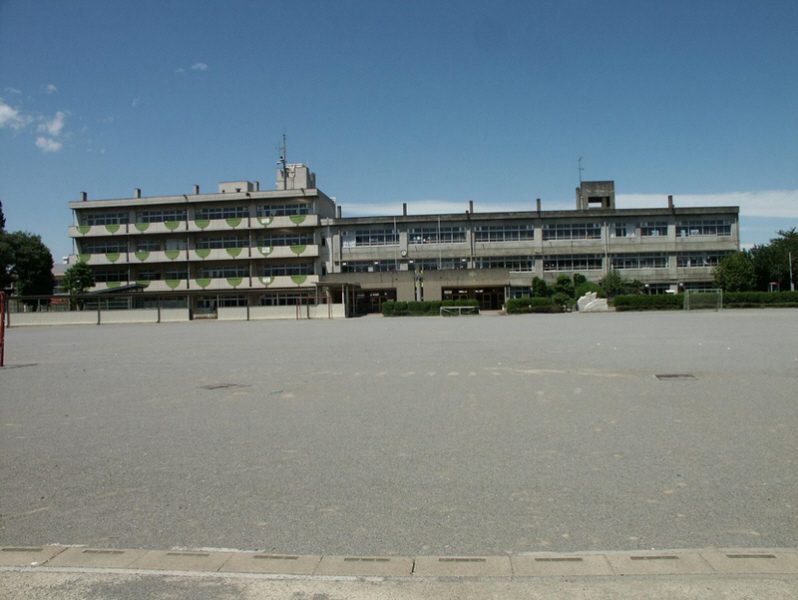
column 231, row 313
column 275, row 312
column 88, row 317
column 174, row 315
column 323, row 311
column 139, row 315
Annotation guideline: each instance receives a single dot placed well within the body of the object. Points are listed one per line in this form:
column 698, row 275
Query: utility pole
column 792, row 281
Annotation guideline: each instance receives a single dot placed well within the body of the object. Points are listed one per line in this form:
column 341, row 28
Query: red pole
column 2, row 328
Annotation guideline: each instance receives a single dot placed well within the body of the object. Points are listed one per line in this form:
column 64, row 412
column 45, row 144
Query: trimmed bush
column 517, row 306
column 640, row 302
column 420, row 309
column 760, row 299
column 388, row 308
column 589, row 286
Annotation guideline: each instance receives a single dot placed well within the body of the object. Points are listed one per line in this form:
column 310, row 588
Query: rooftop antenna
column 282, row 161
column 580, row 168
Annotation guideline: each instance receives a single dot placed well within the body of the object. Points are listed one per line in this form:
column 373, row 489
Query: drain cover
column 668, row 376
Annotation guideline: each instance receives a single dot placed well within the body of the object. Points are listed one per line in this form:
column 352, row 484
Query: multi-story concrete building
column 252, row 249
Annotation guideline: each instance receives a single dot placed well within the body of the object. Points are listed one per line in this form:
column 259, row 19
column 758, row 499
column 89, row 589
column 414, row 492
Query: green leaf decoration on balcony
column 113, row 228
column 172, row 254
column 112, row 256
column 84, row 257
column 172, row 284
column 142, row 227
column 235, row 281
column 143, row 255
column 299, row 279
column 266, row 280
column 144, row 282
column 172, row 225
column 112, row 285
column 266, row 250
column 202, row 223
column 298, row 248
column 203, row 282
column 234, row 222
column 84, row 229
column 203, row 252
column 265, row 221
column 233, row 251
column 297, row 219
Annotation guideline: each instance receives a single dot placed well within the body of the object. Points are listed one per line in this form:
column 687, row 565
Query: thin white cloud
column 766, row 203
column 180, row 70
column 11, row 117
column 54, row 126
column 50, row 89
column 200, row 66
column 135, row 102
column 13, row 91
column 48, row 145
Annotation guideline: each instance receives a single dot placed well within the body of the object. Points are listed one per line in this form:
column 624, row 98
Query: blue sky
column 431, row 102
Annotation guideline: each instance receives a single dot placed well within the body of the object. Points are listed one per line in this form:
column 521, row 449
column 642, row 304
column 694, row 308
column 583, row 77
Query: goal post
column 711, row 299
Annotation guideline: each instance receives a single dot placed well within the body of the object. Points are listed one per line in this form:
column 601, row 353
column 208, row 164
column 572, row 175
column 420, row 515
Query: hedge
column 517, row 306
column 760, row 299
column 656, row 302
column 420, row 309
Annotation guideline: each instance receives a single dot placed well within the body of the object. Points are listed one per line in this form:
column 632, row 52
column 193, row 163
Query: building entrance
column 489, row 298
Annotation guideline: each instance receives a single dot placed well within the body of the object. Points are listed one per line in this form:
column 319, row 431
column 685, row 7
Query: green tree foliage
column 539, row 288
column 2, row 219
column 26, row 263
column 735, row 273
column 579, row 279
column 772, row 261
column 615, row 284
column 564, row 285
column 77, row 279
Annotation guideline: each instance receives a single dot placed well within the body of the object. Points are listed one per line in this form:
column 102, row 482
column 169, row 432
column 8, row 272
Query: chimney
column 471, row 206
column 84, row 196
column 137, row 193
column 538, row 204
column 670, row 202
column 404, row 209
column 196, row 190
column 339, row 211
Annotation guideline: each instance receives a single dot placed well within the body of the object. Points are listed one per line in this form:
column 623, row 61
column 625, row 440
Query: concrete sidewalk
column 77, row 572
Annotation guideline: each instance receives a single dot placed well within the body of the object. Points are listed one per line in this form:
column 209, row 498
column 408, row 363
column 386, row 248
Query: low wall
column 174, row 315
column 257, row 313
column 88, row 317
column 231, row 313
column 136, row 315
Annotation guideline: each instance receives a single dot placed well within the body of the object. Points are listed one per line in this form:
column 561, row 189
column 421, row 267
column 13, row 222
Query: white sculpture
column 590, row 302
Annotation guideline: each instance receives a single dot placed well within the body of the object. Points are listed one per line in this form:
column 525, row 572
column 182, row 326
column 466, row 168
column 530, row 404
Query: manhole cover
column 668, row 376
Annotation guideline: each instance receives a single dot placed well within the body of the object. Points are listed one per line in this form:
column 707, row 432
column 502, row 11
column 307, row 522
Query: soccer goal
column 703, row 299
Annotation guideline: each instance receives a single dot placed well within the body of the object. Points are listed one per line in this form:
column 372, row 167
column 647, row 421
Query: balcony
column 283, row 222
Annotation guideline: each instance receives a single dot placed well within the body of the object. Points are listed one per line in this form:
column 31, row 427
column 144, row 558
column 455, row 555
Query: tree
column 539, row 288
column 26, row 263
column 2, row 218
column 735, row 273
column 615, row 284
column 564, row 285
column 772, row 261
column 77, row 279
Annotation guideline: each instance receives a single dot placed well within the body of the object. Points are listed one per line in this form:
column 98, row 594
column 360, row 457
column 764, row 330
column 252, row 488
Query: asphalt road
column 408, row 436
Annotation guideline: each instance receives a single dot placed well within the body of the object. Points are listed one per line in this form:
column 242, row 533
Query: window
column 366, row 266
column 504, row 233
column 284, row 210
column 232, row 301
column 103, row 247
column 118, row 218
column 573, row 262
column 435, row 235
column 161, row 216
column 286, row 239
column 286, row 269
column 622, row 230
column 709, row 227
column 110, row 276
column 148, row 274
column 222, row 212
column 285, row 299
column 654, row 229
column 144, row 244
column 651, row 260
column 435, row 264
column 176, row 273
column 377, row 237
column 217, row 272
column 514, row 263
column 176, row 244
column 572, row 231
column 699, row 259
column 224, row 241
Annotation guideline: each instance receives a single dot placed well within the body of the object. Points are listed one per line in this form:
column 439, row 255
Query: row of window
column 146, row 244
column 201, row 213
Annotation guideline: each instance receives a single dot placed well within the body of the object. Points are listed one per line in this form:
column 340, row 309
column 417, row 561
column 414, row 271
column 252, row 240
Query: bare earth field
column 411, row 436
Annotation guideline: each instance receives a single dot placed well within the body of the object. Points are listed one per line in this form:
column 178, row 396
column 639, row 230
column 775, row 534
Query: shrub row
column 420, row 309
column 517, row 306
column 658, row 302
column 760, row 299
